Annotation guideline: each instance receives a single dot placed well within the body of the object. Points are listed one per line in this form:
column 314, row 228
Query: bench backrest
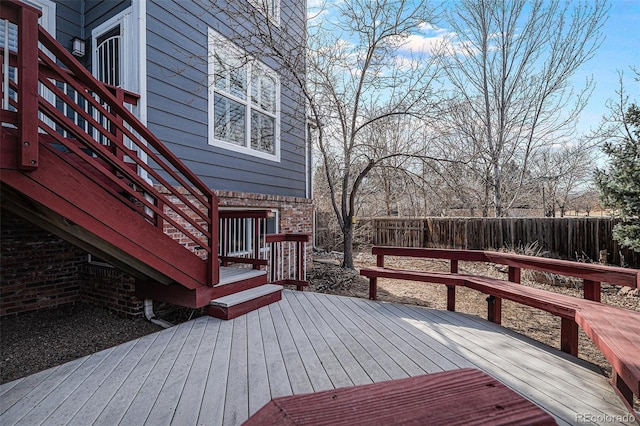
column 587, row 271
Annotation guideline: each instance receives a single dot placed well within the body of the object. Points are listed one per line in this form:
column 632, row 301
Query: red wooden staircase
column 77, row 162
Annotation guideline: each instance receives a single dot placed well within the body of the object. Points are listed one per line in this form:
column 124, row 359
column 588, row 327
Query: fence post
column 28, row 88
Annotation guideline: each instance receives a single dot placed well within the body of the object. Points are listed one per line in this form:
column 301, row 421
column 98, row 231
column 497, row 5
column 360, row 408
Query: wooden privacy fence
column 564, row 238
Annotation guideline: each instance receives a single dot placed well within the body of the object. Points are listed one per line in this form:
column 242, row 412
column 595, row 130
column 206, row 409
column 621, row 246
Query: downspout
column 148, row 313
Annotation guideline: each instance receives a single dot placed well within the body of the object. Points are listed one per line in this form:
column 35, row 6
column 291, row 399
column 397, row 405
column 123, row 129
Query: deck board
column 390, row 367
column 545, row 364
column 210, row 371
column 73, row 403
column 357, row 374
column 276, row 368
column 330, row 363
column 296, row 372
column 236, row 407
column 494, row 355
column 214, row 398
column 196, row 382
column 427, row 360
column 369, row 364
column 259, row 392
column 111, row 398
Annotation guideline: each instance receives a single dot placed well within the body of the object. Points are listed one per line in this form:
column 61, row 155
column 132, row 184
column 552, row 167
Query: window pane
column 230, row 76
column 263, row 91
column 262, row 132
column 229, row 120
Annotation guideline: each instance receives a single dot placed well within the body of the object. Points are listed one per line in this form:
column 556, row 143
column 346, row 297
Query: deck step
column 230, row 275
column 233, row 305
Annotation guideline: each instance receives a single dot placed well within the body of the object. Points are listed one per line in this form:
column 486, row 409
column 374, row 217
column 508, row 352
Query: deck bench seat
column 615, row 331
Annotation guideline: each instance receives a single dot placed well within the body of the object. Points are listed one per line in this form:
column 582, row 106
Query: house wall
column 177, row 96
column 177, row 99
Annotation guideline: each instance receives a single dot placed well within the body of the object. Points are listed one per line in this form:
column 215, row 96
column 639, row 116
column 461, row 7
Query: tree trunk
column 347, row 260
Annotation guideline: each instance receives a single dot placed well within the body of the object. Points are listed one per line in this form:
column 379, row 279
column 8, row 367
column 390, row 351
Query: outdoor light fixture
column 77, row 47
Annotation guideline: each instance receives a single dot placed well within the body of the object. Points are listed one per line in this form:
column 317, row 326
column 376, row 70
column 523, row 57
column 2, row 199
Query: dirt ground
column 32, row 342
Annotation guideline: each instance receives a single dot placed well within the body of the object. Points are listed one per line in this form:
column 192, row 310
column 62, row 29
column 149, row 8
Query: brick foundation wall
column 111, row 289
column 37, row 269
column 296, row 214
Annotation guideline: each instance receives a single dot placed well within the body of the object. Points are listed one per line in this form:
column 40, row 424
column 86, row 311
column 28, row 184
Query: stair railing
column 89, row 126
column 242, row 237
column 288, row 259
column 244, row 241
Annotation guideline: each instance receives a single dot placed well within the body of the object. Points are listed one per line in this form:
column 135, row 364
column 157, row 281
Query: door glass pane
column 109, row 57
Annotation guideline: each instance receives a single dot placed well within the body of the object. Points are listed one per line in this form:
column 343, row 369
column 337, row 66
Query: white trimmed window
column 244, row 100
column 270, row 8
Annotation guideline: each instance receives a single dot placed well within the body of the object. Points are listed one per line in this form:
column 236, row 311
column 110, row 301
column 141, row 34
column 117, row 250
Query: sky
column 619, row 51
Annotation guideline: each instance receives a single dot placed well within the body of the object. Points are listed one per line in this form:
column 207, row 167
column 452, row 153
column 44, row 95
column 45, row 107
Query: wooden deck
column 209, row 371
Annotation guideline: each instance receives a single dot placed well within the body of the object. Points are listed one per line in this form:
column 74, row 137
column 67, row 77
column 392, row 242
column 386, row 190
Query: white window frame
column 215, row 39
column 269, row 8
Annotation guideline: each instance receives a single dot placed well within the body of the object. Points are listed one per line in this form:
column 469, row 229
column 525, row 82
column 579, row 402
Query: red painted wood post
column 301, row 260
column 159, row 220
column 624, row 390
column 451, row 289
column 275, row 255
column 213, row 268
column 569, row 336
column 28, row 88
column 373, row 281
column 514, row 274
column 591, row 290
column 451, row 298
column 225, row 240
column 116, row 127
column 256, row 245
column 373, row 288
column 494, row 309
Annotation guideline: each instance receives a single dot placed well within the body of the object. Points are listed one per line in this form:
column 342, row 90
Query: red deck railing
column 244, row 240
column 50, row 98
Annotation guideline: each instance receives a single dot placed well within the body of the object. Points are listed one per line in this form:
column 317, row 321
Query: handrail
column 105, row 140
column 591, row 274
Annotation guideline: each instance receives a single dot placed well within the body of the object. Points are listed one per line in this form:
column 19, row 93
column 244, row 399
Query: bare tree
column 509, row 64
column 362, row 77
column 356, row 71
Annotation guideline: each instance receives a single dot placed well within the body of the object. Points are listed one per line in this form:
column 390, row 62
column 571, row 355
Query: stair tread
column 230, row 275
column 246, row 295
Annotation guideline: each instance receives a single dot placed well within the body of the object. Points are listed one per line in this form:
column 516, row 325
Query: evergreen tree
column 620, row 185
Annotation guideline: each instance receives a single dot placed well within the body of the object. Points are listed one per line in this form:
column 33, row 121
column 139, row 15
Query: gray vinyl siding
column 98, row 11
column 68, row 21
column 177, row 100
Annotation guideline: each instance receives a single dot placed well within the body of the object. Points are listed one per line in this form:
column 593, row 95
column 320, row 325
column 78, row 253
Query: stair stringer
column 73, row 207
